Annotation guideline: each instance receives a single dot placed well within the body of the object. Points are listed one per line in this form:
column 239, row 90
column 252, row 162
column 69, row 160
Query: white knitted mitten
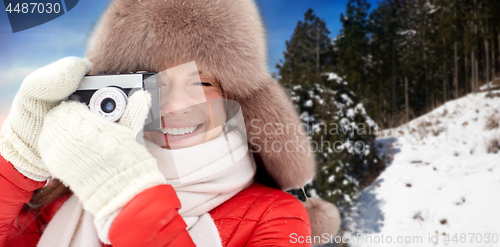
column 41, row 91
column 101, row 161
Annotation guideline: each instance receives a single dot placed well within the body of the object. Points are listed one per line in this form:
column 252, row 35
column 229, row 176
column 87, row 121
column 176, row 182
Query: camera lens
column 108, row 105
column 109, row 102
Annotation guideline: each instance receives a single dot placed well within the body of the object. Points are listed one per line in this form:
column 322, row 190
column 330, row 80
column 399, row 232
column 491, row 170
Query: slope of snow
column 440, row 183
column 494, row 85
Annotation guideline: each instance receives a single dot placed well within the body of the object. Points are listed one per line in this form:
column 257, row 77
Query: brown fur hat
column 227, row 39
column 324, row 217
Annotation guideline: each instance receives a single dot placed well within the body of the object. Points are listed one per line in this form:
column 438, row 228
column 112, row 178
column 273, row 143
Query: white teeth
column 179, row 131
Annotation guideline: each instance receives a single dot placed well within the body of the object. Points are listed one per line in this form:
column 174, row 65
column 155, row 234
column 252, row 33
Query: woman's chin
column 185, row 143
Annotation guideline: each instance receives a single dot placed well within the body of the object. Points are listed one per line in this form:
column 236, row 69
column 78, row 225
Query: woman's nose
column 176, row 102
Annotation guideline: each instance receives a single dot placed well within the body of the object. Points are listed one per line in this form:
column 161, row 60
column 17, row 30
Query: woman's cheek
column 212, row 133
column 218, row 112
column 155, row 137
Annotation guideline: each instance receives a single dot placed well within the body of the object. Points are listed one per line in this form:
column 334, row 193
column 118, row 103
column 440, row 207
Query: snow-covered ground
column 493, row 84
column 441, row 186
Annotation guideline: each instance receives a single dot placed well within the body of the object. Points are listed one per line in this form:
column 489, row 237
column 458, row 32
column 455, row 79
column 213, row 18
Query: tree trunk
column 317, row 50
column 498, row 37
column 466, row 67
column 487, row 53
column 493, row 72
column 477, row 73
column 455, row 77
column 445, row 73
column 473, row 72
column 427, row 103
column 433, row 88
column 472, row 61
column 445, row 83
column 466, row 73
column 406, row 100
column 476, row 63
column 487, row 67
column 393, row 84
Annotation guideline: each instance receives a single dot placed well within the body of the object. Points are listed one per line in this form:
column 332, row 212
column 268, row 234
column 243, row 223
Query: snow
column 350, row 113
column 304, row 116
column 431, row 8
column 332, row 76
column 346, row 99
column 315, row 128
column 440, row 181
column 488, row 85
column 308, row 103
column 347, row 198
column 344, row 123
column 407, row 32
column 360, row 108
column 371, row 123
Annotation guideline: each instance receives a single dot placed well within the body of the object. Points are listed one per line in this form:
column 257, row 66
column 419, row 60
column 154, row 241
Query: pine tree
column 342, row 139
column 352, row 44
column 384, row 41
column 341, row 132
column 308, row 53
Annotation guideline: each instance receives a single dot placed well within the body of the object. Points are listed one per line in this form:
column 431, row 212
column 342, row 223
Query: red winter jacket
column 257, row 216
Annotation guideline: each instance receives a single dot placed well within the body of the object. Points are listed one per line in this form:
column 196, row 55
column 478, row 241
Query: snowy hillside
column 442, row 181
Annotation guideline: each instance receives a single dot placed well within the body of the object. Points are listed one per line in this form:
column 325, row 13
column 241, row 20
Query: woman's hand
column 41, row 91
column 100, row 161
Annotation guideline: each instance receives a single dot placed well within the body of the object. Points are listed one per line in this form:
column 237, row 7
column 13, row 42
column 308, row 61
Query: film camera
column 107, row 95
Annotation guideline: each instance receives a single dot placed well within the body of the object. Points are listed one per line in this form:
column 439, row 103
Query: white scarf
column 204, row 177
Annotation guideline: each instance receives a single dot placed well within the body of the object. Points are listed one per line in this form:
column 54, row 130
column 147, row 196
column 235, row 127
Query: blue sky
column 25, row 51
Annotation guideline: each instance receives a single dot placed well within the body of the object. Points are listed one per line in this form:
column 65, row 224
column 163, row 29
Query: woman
column 206, row 180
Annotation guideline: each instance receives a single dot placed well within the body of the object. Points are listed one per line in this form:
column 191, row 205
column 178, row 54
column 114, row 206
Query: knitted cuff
column 119, row 190
column 14, row 150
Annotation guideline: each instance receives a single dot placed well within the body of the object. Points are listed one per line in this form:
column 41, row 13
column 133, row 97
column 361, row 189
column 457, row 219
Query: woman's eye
column 204, row 84
column 163, row 83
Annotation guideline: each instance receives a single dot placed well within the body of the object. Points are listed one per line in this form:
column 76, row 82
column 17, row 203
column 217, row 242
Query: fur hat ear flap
column 275, row 131
column 324, row 217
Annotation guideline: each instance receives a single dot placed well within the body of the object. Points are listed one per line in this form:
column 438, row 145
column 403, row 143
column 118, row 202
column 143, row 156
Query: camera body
column 107, row 95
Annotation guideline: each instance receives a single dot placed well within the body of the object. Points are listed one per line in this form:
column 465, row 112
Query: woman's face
column 192, row 108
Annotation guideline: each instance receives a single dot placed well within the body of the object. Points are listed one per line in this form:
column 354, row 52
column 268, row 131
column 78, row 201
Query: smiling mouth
column 180, row 131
